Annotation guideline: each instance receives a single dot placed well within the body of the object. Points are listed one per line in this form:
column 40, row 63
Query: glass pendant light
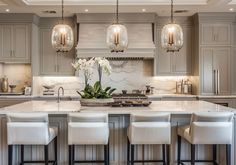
column 172, row 35
column 117, row 36
column 62, row 35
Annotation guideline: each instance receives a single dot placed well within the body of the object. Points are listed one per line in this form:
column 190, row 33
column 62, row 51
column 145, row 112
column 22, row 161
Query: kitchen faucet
column 58, row 94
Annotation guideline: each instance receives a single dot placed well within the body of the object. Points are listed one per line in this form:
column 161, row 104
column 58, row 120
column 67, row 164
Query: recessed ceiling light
column 144, row 10
column 7, row 10
column 231, row 9
column 86, row 10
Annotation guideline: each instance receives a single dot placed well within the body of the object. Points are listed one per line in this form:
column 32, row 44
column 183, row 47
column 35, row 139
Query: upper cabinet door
column 64, row 66
column 215, row 34
column 21, row 44
column 6, row 39
column 183, row 57
column 177, row 63
column 48, row 60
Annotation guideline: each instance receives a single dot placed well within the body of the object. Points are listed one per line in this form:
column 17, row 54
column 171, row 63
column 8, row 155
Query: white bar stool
column 149, row 128
column 207, row 128
column 88, row 129
column 30, row 129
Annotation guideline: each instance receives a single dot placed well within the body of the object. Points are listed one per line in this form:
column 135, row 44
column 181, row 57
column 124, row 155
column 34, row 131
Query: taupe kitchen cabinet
column 178, row 63
column 221, row 101
column 4, row 102
column 215, row 70
column 15, row 43
column 51, row 62
column 215, row 33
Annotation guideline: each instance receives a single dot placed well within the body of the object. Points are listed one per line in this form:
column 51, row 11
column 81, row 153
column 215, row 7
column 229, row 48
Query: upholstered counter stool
column 149, row 129
column 30, row 129
column 212, row 128
column 88, row 129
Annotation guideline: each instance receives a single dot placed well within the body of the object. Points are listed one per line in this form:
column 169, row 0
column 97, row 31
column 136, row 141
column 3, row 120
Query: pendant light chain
column 117, row 11
column 62, row 10
column 172, row 12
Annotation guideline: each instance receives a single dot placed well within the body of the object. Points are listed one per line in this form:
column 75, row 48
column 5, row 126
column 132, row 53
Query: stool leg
column 46, row 154
column 168, row 154
column 179, row 150
column 22, row 154
column 105, row 154
column 128, row 151
column 70, row 149
column 108, row 153
column 228, row 154
column 164, row 154
column 73, row 154
column 10, row 148
column 55, row 150
column 192, row 154
column 214, row 154
column 132, row 154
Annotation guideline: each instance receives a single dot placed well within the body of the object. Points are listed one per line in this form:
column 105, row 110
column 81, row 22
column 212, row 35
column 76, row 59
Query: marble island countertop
column 153, row 96
column 64, row 107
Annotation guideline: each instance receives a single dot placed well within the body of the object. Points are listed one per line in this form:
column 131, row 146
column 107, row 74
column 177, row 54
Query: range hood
column 92, row 41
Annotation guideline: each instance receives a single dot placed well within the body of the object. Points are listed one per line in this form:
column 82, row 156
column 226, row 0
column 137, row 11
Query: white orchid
column 104, row 64
column 87, row 66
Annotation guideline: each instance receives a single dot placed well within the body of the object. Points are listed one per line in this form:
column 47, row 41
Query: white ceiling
column 161, row 7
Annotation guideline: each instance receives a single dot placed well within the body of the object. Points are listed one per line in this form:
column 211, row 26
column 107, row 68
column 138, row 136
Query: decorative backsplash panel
column 129, row 75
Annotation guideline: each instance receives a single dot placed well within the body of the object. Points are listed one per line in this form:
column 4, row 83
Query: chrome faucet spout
column 58, row 94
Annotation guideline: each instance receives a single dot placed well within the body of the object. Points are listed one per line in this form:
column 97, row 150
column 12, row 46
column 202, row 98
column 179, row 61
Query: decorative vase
column 96, row 102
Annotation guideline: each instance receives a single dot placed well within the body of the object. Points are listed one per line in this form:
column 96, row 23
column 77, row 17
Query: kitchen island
column 118, row 122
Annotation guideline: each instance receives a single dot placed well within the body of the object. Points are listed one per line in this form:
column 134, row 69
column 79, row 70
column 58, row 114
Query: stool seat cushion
column 149, row 133
column 88, row 133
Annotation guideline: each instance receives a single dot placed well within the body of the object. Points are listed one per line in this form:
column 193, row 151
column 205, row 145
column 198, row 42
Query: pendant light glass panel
column 172, row 37
column 62, row 35
column 62, row 38
column 117, row 38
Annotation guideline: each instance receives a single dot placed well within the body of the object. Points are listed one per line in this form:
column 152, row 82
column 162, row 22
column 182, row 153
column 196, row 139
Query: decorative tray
column 132, row 103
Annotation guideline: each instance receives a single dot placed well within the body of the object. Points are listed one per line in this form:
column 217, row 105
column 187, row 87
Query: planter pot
column 96, row 102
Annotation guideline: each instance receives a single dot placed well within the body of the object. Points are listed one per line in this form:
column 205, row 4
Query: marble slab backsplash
column 128, row 75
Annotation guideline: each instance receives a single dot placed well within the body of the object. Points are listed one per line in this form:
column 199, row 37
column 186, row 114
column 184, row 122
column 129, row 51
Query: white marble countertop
column 64, row 107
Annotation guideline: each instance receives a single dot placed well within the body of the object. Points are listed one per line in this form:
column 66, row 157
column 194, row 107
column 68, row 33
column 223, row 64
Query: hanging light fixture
column 117, row 36
column 172, row 35
column 62, row 35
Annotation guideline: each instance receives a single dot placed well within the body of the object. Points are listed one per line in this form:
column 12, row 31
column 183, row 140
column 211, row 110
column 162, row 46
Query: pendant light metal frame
column 117, row 37
column 172, row 34
column 62, row 35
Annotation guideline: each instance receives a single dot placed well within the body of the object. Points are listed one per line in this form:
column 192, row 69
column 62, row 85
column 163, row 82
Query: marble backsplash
column 129, row 75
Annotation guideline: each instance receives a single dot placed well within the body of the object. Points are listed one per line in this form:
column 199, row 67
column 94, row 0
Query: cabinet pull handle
column 218, row 81
column 215, row 81
column 55, row 68
column 58, row 68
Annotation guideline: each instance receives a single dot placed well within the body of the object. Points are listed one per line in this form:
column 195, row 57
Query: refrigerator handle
column 218, row 81
column 215, row 81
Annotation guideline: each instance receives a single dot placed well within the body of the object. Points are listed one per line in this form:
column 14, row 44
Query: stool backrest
column 88, row 128
column 150, row 117
column 88, row 117
column 27, row 128
column 212, row 127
